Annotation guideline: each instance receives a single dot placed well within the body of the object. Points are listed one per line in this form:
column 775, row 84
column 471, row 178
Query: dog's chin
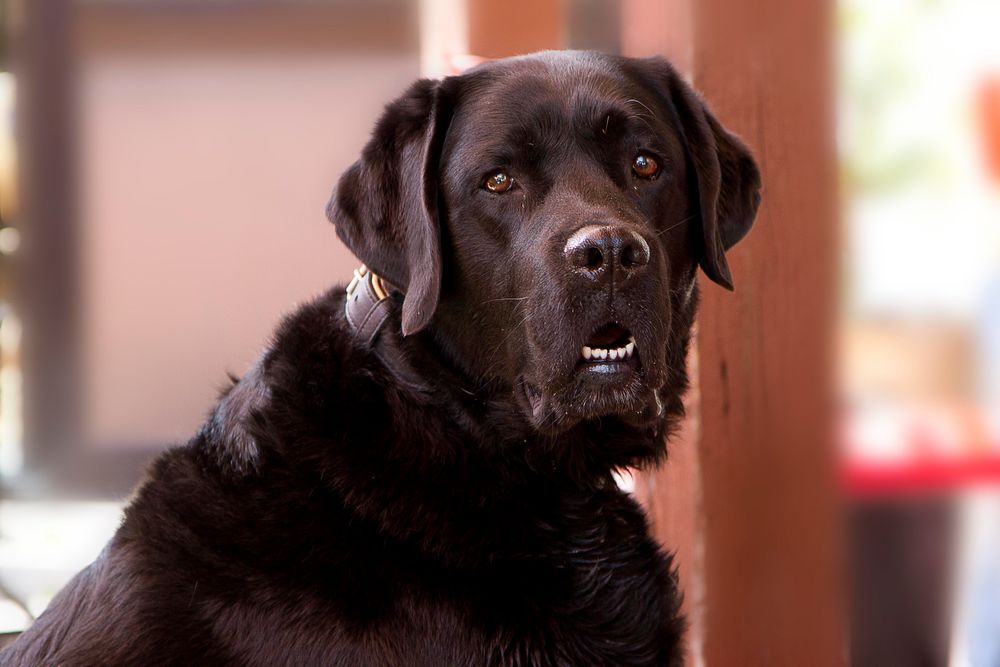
column 591, row 394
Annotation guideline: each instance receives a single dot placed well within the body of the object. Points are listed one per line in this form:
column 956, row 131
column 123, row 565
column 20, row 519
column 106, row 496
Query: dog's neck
column 425, row 370
column 483, row 456
column 423, row 366
column 417, row 364
column 407, row 440
column 487, row 411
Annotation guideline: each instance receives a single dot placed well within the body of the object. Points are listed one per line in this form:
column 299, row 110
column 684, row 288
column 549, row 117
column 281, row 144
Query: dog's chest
column 599, row 607
column 589, row 591
column 594, row 593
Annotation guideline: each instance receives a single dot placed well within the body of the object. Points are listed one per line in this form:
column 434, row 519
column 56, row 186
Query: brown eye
column 645, row 166
column 498, row 183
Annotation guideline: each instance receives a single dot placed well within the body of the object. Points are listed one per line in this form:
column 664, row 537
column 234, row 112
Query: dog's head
column 545, row 217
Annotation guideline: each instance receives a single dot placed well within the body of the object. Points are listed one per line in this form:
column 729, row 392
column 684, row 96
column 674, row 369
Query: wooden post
column 671, row 496
column 501, row 29
column 762, row 512
column 46, row 297
column 765, row 353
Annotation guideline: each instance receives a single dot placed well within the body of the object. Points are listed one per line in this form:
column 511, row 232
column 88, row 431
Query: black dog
column 427, row 480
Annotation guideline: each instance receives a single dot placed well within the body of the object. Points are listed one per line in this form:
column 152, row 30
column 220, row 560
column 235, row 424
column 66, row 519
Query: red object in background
column 920, row 476
column 989, row 116
column 914, row 451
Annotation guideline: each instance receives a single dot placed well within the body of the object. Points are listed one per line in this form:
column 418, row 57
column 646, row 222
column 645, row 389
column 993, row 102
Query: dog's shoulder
column 310, row 373
column 122, row 609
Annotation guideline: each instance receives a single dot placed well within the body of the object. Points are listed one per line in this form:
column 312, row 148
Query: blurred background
column 164, row 167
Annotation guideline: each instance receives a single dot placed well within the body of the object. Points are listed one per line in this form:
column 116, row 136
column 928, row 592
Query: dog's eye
column 498, row 182
column 645, row 166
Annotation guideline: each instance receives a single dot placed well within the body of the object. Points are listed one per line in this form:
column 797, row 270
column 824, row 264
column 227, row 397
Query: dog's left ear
column 727, row 175
column 385, row 206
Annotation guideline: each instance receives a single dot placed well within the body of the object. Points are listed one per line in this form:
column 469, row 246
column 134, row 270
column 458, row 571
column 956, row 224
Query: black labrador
column 419, row 472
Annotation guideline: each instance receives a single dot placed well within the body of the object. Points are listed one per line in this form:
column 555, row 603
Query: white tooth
column 621, row 353
column 601, row 353
column 613, row 354
column 631, row 339
column 586, row 352
column 629, row 348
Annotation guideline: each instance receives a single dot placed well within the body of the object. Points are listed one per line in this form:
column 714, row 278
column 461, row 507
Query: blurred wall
column 209, row 143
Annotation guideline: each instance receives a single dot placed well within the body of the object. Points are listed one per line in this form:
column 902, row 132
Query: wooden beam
column 46, row 276
column 453, row 30
column 501, row 29
column 256, row 29
column 671, row 496
column 658, row 27
column 765, row 353
column 748, row 499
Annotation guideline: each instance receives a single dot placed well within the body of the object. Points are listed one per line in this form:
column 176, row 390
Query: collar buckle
column 367, row 305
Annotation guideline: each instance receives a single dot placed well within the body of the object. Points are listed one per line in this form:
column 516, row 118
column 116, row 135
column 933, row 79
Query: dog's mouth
column 606, row 380
column 610, row 348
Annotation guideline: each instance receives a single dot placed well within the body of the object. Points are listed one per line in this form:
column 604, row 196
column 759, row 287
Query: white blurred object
column 10, row 240
column 44, row 544
column 8, row 148
column 989, row 354
column 923, row 220
column 443, row 34
column 11, row 421
column 976, row 633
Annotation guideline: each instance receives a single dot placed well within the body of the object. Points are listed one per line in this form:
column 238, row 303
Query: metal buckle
column 359, row 275
column 362, row 274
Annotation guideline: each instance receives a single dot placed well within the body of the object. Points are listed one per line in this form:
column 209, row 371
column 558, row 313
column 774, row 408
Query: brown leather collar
column 367, row 305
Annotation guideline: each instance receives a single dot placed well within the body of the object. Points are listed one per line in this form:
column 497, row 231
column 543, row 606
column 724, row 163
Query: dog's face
column 545, row 216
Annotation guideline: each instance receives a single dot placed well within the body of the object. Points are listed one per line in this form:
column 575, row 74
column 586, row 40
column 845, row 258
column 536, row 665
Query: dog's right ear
column 385, row 206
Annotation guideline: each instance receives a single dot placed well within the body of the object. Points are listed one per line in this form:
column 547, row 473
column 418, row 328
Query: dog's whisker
column 676, row 225
column 644, row 118
column 496, row 349
column 632, row 100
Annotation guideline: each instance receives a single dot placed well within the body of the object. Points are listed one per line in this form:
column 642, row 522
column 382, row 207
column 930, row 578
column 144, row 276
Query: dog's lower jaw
column 553, row 412
column 530, row 425
column 651, row 416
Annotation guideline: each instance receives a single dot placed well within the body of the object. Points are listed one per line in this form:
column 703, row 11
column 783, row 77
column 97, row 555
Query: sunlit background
column 193, row 145
column 919, row 137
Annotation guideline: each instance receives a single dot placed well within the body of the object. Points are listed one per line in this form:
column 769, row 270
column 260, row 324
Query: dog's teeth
column 614, row 354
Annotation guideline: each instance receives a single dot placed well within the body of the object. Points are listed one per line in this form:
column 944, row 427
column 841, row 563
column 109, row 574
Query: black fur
column 445, row 498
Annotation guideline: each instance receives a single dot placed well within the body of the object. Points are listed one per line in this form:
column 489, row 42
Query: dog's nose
column 606, row 252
